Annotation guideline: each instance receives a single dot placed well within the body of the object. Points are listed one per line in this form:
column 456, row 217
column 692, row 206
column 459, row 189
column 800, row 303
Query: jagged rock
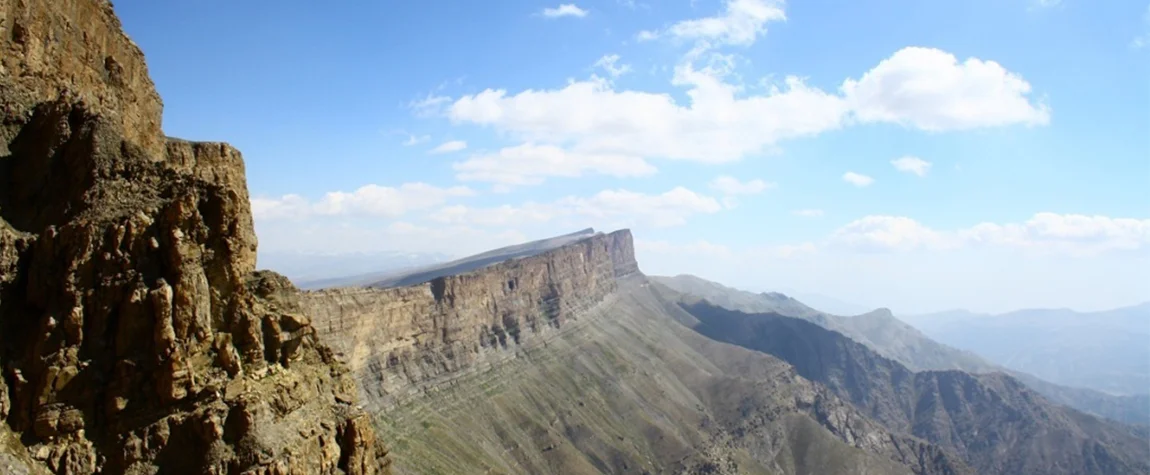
column 134, row 333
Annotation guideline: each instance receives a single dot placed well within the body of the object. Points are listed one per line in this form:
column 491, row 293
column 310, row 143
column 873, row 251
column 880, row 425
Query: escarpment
column 404, row 339
column 135, row 334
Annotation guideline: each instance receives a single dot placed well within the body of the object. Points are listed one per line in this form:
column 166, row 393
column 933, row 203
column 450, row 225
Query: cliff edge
column 403, row 340
column 134, row 331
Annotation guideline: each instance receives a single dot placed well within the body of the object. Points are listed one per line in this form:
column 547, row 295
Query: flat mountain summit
column 137, row 336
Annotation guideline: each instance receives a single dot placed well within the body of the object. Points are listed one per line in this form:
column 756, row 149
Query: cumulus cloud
column 449, row 147
column 615, row 207
column 930, row 89
column 368, row 200
column 808, row 213
column 717, row 126
column 918, row 87
column 741, row 23
column 1044, row 232
column 609, row 63
column 909, row 164
column 531, row 164
column 857, row 179
column 564, row 10
column 729, row 185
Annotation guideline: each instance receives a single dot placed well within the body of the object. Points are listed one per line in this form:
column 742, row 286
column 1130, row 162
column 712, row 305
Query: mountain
column 316, row 270
column 880, row 331
column 135, row 334
column 1106, row 351
column 566, row 362
column 992, row 421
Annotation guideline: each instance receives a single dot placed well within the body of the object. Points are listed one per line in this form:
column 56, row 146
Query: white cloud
column 909, row 164
column 530, row 164
column 671, row 208
column 566, row 9
column 616, row 208
column 716, row 127
column 344, row 236
column 728, row 185
column 449, row 147
column 369, row 200
column 808, row 213
column 505, row 215
column 741, row 23
column 857, row 179
column 1044, row 232
column 720, row 122
column 646, row 35
column 873, row 233
column 608, row 63
column 415, row 140
column 929, row 89
column 1047, row 3
column 430, row 106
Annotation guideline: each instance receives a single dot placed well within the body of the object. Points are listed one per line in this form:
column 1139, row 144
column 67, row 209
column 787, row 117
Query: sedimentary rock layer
column 399, row 340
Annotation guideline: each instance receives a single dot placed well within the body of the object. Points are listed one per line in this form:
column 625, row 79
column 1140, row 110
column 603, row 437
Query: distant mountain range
column 1108, row 351
column 880, row 331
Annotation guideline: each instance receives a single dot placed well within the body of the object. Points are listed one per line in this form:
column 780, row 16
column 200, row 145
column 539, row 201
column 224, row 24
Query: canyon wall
column 402, row 340
column 135, row 334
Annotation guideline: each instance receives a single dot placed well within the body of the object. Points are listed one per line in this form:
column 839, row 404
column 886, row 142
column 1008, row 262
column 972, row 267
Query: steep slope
column 566, row 362
column 897, row 340
column 992, row 421
column 135, row 336
column 1107, row 350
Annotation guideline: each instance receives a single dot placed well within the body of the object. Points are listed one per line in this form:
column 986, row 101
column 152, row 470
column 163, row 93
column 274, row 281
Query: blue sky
column 987, row 154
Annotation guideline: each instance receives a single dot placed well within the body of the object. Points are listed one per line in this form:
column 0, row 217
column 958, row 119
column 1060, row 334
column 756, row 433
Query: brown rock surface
column 401, row 340
column 135, row 335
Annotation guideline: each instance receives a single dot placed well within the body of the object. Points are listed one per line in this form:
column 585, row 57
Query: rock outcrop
column 134, row 331
column 402, row 340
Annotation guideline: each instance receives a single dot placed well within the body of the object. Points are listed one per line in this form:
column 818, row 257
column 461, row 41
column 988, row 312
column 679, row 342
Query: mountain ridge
column 900, row 341
column 973, row 415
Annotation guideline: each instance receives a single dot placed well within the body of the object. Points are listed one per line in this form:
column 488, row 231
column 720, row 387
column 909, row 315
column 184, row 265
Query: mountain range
column 899, row 341
column 1107, row 351
column 138, row 337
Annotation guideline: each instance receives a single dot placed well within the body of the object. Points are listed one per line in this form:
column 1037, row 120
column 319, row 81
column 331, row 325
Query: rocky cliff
column 134, row 332
column 400, row 341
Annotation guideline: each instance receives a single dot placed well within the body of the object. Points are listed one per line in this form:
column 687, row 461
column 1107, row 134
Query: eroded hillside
column 135, row 336
column 992, row 421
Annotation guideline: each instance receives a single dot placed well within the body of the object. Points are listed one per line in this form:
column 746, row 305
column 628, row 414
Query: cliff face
column 400, row 340
column 134, row 332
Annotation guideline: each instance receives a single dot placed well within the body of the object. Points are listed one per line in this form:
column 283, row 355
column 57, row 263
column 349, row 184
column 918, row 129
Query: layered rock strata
column 135, row 336
column 402, row 340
